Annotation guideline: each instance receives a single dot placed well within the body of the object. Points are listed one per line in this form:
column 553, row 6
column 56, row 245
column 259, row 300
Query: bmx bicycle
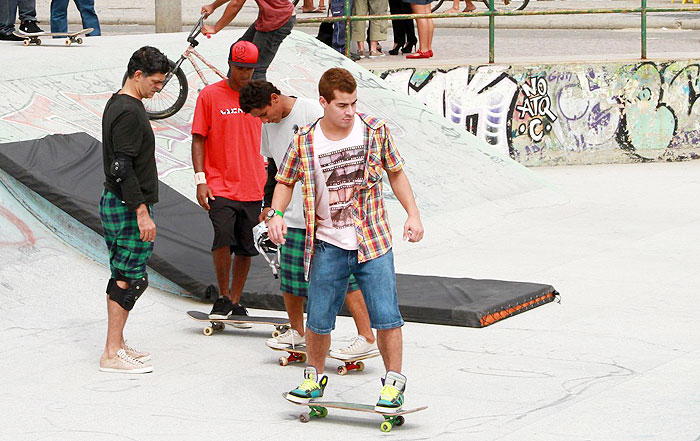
column 172, row 96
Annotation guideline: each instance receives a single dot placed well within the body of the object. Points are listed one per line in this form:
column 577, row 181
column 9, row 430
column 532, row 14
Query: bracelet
column 200, row 178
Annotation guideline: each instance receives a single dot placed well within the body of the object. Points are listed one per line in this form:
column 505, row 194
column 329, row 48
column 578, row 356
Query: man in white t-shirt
column 340, row 160
column 282, row 116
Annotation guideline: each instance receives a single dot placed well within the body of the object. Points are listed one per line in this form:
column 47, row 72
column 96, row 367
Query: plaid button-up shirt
column 369, row 215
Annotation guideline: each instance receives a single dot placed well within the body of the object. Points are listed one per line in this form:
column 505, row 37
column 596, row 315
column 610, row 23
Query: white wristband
column 200, row 178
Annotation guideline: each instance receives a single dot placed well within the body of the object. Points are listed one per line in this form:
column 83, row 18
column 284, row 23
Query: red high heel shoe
column 420, row 54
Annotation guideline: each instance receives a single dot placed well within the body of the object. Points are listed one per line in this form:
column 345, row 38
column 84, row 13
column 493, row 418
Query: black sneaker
column 239, row 310
column 10, row 37
column 222, row 308
column 30, row 27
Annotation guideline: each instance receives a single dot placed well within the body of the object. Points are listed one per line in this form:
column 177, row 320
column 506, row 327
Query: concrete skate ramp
column 460, row 182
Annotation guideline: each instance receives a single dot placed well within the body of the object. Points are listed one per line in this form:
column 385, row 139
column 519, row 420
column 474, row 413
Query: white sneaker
column 290, row 339
column 357, row 348
column 139, row 355
column 125, row 364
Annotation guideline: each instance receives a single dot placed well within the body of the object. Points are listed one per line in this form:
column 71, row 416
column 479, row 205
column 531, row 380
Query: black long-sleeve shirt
column 127, row 133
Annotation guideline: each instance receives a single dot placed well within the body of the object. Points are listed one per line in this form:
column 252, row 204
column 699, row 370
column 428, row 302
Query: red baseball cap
column 243, row 54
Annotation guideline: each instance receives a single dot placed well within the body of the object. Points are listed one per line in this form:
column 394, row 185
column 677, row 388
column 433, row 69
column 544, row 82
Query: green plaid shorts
column 128, row 254
column 292, row 265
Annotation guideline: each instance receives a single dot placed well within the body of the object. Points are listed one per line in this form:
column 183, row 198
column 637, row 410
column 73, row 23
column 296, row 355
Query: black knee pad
column 126, row 298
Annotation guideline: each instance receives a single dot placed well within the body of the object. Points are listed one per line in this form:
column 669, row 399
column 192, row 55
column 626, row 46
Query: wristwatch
column 272, row 212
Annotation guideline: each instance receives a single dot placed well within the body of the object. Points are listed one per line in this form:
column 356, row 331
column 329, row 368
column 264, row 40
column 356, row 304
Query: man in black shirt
column 130, row 190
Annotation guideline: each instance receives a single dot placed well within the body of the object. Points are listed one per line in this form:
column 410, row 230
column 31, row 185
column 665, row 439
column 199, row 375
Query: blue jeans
column 328, row 282
column 8, row 13
column 59, row 16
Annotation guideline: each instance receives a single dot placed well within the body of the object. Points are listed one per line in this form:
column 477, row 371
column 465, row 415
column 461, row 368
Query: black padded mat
column 67, row 171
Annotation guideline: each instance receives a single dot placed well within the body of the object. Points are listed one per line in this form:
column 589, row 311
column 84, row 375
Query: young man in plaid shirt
column 340, row 160
column 130, row 190
column 282, row 116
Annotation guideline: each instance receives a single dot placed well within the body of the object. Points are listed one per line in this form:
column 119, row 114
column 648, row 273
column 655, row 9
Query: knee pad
column 126, row 298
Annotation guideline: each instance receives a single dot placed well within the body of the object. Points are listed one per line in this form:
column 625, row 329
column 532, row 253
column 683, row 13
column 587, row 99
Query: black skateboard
column 280, row 324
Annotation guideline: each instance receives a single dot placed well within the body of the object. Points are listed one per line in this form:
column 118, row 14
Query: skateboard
column 281, row 325
column 71, row 37
column 299, row 354
column 319, row 409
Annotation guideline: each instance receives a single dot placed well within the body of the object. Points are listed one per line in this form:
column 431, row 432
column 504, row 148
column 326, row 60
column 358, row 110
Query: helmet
column 267, row 248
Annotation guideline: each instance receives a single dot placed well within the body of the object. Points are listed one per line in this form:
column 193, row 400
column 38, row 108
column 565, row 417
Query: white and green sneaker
column 310, row 389
column 391, row 396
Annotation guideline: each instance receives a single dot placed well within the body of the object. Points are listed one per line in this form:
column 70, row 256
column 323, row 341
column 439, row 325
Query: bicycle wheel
column 508, row 5
column 170, row 99
column 436, row 5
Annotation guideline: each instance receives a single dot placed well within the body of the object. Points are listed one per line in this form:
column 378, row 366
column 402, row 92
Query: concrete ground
column 616, row 360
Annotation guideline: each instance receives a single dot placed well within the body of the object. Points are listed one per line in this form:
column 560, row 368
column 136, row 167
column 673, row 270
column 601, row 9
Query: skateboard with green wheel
column 319, row 409
column 299, row 354
column 281, row 325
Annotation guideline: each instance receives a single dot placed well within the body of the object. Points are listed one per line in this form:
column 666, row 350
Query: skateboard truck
column 351, row 366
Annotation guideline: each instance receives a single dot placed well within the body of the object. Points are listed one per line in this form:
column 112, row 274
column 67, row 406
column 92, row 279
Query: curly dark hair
column 148, row 60
column 257, row 95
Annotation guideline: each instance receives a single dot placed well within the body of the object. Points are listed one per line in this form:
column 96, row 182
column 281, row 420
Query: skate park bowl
column 50, row 148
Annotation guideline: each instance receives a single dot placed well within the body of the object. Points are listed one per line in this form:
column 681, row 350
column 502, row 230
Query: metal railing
column 348, row 18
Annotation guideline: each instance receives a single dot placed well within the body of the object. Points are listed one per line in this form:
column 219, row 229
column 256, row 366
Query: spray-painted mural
column 569, row 113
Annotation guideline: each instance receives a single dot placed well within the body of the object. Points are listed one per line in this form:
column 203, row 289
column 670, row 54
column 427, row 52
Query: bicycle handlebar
column 196, row 30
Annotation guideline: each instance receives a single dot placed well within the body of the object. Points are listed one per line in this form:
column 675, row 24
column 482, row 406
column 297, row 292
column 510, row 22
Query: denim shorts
column 292, row 278
column 331, row 268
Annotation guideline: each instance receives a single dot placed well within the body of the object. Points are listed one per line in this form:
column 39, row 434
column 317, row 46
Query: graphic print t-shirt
column 339, row 168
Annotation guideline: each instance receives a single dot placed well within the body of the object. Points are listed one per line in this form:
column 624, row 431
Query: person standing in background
column 59, row 16
column 27, row 18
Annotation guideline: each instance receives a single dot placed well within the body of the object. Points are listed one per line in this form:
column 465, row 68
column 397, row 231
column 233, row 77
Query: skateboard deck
column 279, row 323
column 299, row 354
column 319, row 409
column 71, row 37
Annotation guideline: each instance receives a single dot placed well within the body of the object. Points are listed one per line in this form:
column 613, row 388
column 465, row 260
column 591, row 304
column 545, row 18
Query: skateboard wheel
column 79, row 40
column 342, row 370
column 322, row 412
column 360, row 366
column 302, row 358
column 400, row 420
column 304, row 417
column 25, row 42
column 218, row 326
column 68, row 42
column 275, row 334
column 208, row 331
column 38, row 42
column 283, row 361
column 386, row 426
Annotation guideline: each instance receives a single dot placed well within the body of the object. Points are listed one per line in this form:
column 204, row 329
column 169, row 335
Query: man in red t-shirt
column 275, row 21
column 230, row 175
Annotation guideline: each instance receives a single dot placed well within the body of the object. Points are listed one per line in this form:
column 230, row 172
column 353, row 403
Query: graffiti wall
column 569, row 113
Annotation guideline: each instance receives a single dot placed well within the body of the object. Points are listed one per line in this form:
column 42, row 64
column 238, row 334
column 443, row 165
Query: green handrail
column 348, row 18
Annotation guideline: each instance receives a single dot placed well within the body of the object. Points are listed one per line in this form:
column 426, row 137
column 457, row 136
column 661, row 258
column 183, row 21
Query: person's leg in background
column 359, row 28
column 89, row 16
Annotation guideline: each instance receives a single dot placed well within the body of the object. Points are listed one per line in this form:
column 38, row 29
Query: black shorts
column 233, row 223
